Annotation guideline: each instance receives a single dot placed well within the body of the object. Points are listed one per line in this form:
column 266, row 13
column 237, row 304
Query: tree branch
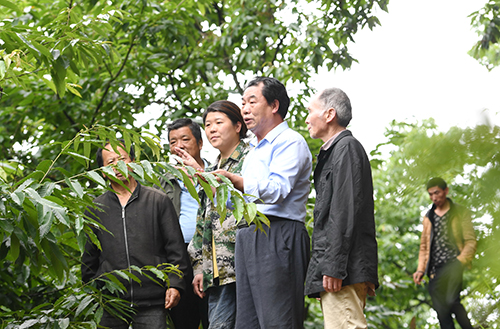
column 172, row 83
column 280, row 43
column 110, row 82
column 233, row 73
column 73, row 123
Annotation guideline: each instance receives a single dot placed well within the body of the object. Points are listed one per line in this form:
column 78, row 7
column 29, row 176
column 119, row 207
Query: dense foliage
column 74, row 73
column 68, row 64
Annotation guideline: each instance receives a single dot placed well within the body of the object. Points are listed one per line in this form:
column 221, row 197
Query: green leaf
column 222, row 197
column 27, row 43
column 224, row 179
column 17, row 197
column 77, row 155
column 3, row 68
column 122, row 168
column 14, row 247
column 121, row 274
column 59, row 76
column 159, row 274
column 50, row 84
column 189, row 185
column 36, row 197
column 153, row 145
column 63, row 323
column 114, row 279
column 171, row 169
column 75, row 187
column 108, row 171
column 11, row 5
column 45, row 223
column 97, row 178
column 41, row 49
column 86, row 152
column 83, row 304
column 208, row 189
column 73, row 90
column 136, row 268
column 252, row 210
column 137, row 169
column 238, row 205
column 146, row 165
column 211, row 179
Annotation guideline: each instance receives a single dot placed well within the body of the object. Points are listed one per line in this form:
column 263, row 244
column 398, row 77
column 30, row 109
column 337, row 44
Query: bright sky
column 415, row 66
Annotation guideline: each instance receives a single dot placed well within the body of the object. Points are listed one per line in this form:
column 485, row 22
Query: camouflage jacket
column 208, row 225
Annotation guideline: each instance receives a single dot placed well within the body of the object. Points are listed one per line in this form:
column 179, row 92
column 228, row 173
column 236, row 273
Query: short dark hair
column 186, row 122
column 273, row 89
column 98, row 155
column 231, row 110
column 436, row 181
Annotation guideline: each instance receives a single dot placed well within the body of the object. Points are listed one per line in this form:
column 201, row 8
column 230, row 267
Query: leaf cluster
column 68, row 65
column 43, row 226
column 468, row 160
column 486, row 22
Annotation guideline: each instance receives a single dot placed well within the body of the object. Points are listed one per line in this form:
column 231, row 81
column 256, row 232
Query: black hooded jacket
column 144, row 232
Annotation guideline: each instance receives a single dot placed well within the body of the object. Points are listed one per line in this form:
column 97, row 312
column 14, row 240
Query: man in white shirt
column 271, row 267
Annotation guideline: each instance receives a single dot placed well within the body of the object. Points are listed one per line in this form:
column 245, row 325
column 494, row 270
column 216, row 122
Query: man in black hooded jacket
column 143, row 230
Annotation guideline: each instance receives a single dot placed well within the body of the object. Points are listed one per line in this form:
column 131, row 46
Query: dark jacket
column 170, row 185
column 460, row 231
column 344, row 243
column 173, row 190
column 144, row 232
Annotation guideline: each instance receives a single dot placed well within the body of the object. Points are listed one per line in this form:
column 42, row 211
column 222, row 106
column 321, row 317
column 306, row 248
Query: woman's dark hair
column 232, row 111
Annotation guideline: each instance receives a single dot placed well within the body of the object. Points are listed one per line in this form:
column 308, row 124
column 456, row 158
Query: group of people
column 234, row 275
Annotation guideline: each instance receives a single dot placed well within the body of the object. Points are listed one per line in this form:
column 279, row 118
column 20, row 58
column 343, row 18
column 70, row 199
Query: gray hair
column 337, row 99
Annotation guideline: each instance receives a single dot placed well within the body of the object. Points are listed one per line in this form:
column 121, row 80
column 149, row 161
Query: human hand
column 331, row 284
column 417, row 277
column 187, row 159
column 198, row 285
column 172, row 297
column 235, row 179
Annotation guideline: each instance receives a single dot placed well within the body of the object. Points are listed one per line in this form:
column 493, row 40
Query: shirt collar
column 275, row 132
column 329, row 142
column 236, row 155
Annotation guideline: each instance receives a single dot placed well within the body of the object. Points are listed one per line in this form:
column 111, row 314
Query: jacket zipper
column 128, row 254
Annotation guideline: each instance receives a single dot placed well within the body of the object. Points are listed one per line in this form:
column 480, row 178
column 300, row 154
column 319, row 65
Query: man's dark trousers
column 444, row 289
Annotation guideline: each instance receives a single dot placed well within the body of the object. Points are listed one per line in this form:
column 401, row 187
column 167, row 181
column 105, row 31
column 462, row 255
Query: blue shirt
column 189, row 211
column 277, row 171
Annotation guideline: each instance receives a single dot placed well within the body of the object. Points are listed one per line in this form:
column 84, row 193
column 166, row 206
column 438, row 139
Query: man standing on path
column 343, row 266
column 447, row 245
column 270, row 268
column 184, row 135
column 142, row 230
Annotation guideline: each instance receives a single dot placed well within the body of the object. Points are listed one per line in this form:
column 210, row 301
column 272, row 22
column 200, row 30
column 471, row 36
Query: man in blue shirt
column 271, row 267
column 185, row 134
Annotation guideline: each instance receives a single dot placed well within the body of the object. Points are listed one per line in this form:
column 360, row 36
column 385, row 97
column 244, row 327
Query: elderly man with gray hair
column 343, row 266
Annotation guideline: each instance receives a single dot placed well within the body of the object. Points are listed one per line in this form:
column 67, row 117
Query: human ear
column 330, row 114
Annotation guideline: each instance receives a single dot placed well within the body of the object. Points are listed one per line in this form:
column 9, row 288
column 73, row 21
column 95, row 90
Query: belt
column 272, row 218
